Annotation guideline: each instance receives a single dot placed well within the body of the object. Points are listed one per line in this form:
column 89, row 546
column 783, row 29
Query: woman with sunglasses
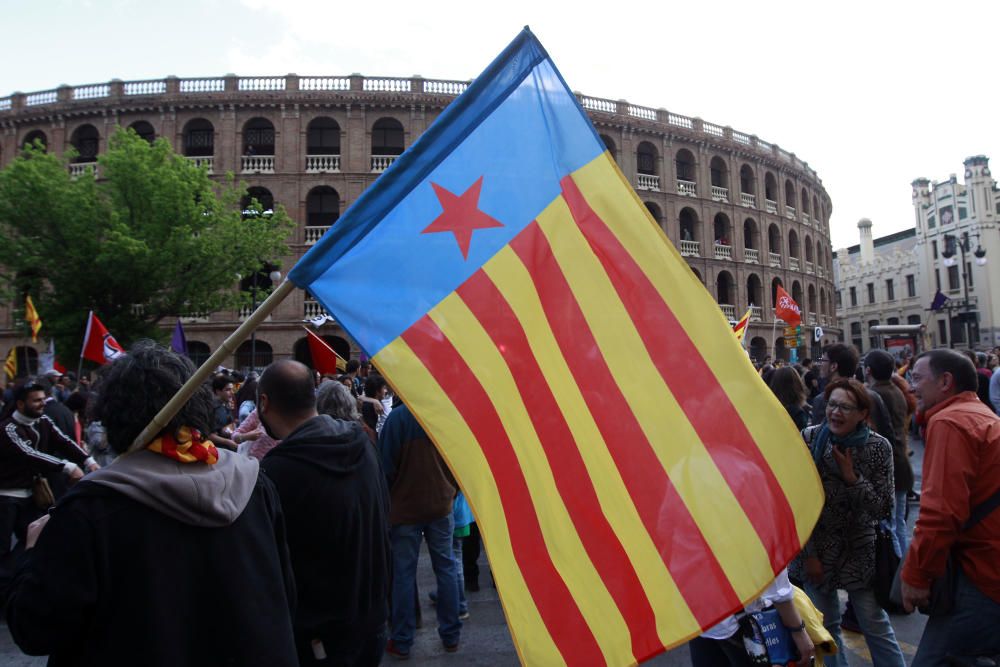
column 855, row 465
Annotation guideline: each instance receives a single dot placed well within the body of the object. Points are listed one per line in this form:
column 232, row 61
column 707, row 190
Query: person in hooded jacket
column 337, row 504
column 174, row 555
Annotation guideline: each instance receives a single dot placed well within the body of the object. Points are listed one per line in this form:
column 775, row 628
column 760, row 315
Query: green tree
column 153, row 238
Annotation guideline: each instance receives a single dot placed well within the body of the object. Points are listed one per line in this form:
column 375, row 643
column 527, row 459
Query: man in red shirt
column 961, row 471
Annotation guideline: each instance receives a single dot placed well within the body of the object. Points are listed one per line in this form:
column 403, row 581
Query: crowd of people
column 309, row 497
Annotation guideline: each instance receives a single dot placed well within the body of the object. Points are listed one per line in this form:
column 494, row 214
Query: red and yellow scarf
column 186, row 446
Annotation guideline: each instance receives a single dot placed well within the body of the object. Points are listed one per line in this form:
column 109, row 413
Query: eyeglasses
column 845, row 408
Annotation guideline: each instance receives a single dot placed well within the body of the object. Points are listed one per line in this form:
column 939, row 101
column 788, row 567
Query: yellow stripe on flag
column 673, row 617
column 565, row 548
column 718, row 514
column 778, row 439
column 458, row 446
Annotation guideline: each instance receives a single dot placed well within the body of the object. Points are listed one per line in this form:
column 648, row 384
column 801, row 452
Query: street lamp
column 275, row 276
column 963, row 243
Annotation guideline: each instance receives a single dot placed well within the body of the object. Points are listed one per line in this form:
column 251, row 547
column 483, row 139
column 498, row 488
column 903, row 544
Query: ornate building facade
column 745, row 214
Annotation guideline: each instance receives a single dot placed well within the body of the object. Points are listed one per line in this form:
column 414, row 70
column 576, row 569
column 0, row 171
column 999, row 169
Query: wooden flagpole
column 227, row 348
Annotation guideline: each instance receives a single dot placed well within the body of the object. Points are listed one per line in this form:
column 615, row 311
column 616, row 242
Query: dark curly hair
column 137, row 385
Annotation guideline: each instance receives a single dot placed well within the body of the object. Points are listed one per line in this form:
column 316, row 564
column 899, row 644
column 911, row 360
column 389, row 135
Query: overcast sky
column 871, row 94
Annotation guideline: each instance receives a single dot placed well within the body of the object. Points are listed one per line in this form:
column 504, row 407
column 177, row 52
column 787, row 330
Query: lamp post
column 275, row 276
column 963, row 243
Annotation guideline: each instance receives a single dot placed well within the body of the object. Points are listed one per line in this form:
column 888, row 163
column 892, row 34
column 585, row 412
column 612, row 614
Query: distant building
column 950, row 215
column 878, row 282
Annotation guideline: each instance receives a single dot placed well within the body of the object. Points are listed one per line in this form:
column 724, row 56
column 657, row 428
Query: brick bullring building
column 745, row 214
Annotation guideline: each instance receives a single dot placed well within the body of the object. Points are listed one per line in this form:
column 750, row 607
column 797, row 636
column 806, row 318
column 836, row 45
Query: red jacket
column 961, row 470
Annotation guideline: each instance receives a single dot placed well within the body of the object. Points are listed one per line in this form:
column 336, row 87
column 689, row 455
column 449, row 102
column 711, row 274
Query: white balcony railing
column 381, row 162
column 202, row 161
column 774, row 259
column 257, row 164
column 723, row 251
column 687, row 188
column 313, row 234
column 793, row 263
column 756, row 313
column 195, row 318
column 771, row 206
column 812, row 317
column 79, row 169
column 312, row 309
column 810, row 267
column 246, row 311
column 790, row 212
column 691, row 248
column 720, row 194
column 729, row 310
column 318, row 164
column 751, row 255
column 648, row 182
column 805, row 217
column 821, row 272
column 748, row 200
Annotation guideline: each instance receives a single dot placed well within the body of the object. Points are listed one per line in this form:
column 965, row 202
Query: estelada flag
column 99, row 346
column 633, row 481
column 786, row 308
column 31, row 316
column 324, row 358
column 10, row 365
column 740, row 328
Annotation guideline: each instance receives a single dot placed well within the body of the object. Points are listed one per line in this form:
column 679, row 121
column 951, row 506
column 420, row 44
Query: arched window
column 774, row 239
column 253, row 356
column 144, row 130
column 793, row 244
column 770, row 188
column 720, row 172
column 689, row 227
column 805, row 201
column 258, row 137
column 323, row 137
column 758, row 349
column 198, row 352
column 892, row 320
column 751, row 236
column 789, row 194
column 722, row 229
column 387, row 137
column 684, row 161
column 748, row 181
column 322, row 206
column 85, row 140
column 755, row 296
column 822, row 301
column 646, row 159
column 812, row 299
column 199, row 138
column 724, row 288
column 914, row 319
column 809, row 248
column 797, row 292
column 609, row 143
column 654, row 211
column 819, row 255
column 263, row 198
column 775, row 284
column 33, row 136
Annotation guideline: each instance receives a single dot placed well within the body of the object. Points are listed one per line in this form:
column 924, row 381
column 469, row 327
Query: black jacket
column 28, row 449
column 118, row 579
column 337, row 505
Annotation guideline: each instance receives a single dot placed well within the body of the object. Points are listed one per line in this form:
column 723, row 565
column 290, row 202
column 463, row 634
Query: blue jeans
column 970, row 629
column 874, row 624
column 405, row 552
column 899, row 529
column 456, row 550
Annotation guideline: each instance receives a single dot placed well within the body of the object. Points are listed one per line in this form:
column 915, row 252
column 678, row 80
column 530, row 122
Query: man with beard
column 30, row 445
column 337, row 503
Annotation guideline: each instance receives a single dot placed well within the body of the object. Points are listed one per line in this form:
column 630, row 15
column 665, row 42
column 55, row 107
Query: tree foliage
column 154, row 237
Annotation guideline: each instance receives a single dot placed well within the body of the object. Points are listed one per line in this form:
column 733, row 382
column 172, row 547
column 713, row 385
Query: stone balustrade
column 690, row 248
column 257, row 164
column 749, row 200
column 771, row 206
column 647, row 182
column 206, row 161
column 751, row 255
column 723, row 251
column 319, row 164
column 687, row 188
column 720, row 194
column 314, row 233
column 729, row 310
column 774, row 259
column 381, row 162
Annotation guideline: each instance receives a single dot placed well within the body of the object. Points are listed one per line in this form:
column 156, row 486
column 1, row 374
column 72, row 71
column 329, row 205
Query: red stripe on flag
column 572, row 479
column 690, row 561
column 562, row 617
column 694, row 385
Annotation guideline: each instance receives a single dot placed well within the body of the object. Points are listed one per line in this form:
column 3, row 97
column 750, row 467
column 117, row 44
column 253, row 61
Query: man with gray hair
column 337, row 504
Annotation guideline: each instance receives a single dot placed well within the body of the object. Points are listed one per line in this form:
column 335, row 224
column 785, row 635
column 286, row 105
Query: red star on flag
column 461, row 215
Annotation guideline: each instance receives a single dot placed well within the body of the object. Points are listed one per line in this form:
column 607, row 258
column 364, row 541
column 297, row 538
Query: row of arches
column 322, row 204
column 810, row 300
column 722, row 232
column 258, row 136
column 686, row 169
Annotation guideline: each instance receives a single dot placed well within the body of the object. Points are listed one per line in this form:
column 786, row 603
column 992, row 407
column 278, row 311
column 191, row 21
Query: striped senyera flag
column 633, row 480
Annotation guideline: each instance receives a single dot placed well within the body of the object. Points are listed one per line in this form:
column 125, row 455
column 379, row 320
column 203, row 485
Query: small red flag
column 787, row 309
column 99, row 346
column 325, row 360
